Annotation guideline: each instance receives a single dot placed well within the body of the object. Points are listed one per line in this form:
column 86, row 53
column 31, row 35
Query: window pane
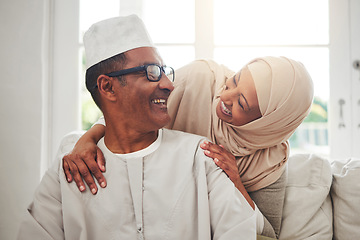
column 90, row 113
column 283, row 22
column 170, row 21
column 316, row 61
column 92, row 11
column 177, row 56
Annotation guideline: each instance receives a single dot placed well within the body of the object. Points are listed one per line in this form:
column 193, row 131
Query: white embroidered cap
column 113, row 36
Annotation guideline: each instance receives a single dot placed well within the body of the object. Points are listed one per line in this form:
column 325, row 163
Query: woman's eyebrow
column 236, row 81
column 245, row 101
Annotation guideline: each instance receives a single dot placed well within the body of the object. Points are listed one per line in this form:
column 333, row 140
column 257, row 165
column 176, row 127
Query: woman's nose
column 227, row 96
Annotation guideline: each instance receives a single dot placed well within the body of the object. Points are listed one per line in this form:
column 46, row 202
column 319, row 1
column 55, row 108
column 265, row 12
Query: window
column 92, row 11
column 244, row 31
column 317, row 33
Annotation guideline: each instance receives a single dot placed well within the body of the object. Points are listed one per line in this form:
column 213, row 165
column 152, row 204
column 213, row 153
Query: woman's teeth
column 159, row 101
column 225, row 109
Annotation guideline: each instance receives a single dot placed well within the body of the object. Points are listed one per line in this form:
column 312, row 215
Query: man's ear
column 106, row 87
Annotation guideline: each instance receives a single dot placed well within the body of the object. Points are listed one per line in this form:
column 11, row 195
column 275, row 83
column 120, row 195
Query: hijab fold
column 261, row 147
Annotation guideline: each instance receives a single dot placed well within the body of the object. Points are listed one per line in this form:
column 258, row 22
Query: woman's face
column 238, row 102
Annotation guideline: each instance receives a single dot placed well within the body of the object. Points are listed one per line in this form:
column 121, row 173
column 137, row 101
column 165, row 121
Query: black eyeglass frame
column 142, row 68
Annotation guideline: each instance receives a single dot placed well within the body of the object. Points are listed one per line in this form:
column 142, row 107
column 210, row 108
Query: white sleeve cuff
column 259, row 220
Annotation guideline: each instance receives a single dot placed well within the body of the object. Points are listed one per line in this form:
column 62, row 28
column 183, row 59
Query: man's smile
column 159, row 101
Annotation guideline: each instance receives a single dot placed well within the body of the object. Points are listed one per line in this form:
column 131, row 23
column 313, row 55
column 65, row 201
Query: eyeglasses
column 153, row 72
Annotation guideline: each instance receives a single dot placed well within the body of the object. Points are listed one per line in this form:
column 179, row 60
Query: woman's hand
column 222, row 158
column 83, row 162
column 86, row 160
column 227, row 162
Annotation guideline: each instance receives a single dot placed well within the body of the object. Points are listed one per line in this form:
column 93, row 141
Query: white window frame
column 63, row 105
column 344, row 48
column 61, row 102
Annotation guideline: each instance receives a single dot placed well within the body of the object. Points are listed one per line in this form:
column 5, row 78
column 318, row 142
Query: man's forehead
column 142, row 56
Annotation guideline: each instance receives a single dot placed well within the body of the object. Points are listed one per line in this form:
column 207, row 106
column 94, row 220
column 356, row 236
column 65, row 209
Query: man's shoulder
column 184, row 144
column 175, row 135
column 66, row 145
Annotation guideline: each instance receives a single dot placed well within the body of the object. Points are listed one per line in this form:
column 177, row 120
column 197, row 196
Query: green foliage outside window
column 318, row 111
column 90, row 112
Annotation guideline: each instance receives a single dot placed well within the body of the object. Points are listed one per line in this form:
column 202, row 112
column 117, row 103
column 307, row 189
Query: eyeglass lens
column 154, row 72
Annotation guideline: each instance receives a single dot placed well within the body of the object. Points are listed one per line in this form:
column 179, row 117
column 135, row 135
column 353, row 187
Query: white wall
column 21, row 71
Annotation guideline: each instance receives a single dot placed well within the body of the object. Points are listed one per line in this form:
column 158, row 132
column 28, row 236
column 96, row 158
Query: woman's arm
column 85, row 160
column 226, row 161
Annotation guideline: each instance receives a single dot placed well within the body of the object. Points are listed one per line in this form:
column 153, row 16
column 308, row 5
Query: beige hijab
column 285, row 94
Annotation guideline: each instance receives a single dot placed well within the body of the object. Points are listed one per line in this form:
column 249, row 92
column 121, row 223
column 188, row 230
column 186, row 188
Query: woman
column 249, row 116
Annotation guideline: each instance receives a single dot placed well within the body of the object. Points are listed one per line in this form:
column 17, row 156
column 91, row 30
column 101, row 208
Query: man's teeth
column 226, row 110
column 158, row 101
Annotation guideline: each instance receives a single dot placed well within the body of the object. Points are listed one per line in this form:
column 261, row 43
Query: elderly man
column 160, row 185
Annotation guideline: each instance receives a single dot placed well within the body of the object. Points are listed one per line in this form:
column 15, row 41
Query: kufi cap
column 113, row 36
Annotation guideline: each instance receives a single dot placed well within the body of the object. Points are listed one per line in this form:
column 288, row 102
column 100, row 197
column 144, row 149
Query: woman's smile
column 238, row 103
column 224, row 109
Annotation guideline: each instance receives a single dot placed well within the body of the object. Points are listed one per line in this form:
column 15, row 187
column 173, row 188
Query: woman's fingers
column 95, row 171
column 84, row 167
column 74, row 172
column 213, row 150
column 222, row 158
column 66, row 168
column 100, row 159
column 79, row 171
column 221, row 164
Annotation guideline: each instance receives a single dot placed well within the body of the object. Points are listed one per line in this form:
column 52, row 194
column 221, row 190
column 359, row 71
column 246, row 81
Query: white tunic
column 169, row 190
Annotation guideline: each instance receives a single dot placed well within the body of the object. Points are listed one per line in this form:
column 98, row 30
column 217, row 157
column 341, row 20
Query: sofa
column 322, row 199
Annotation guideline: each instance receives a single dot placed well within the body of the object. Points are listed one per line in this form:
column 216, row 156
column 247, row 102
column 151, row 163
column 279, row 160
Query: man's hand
column 85, row 161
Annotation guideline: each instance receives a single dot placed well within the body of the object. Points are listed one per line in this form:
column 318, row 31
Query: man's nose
column 165, row 83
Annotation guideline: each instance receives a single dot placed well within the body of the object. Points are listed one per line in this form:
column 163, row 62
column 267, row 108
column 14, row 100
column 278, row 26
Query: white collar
column 141, row 153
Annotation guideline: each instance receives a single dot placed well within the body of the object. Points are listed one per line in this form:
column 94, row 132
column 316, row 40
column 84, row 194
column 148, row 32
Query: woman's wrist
column 240, row 186
column 95, row 133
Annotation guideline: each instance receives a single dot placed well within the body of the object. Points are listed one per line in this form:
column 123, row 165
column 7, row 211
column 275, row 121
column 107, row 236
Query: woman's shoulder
column 195, row 72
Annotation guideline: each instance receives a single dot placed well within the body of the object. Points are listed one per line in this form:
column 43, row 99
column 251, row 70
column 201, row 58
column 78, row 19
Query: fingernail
column 206, row 142
column 93, row 190
column 216, row 160
column 103, row 184
column 207, row 152
column 82, row 188
column 103, row 168
column 69, row 179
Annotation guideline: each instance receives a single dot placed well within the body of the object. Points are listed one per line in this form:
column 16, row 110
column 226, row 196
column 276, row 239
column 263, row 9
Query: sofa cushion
column 345, row 193
column 307, row 210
